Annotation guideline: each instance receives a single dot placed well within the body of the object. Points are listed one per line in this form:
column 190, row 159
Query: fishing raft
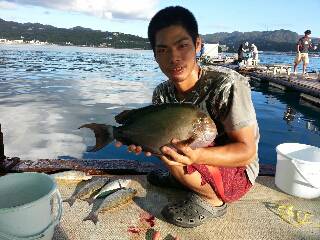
column 89, row 166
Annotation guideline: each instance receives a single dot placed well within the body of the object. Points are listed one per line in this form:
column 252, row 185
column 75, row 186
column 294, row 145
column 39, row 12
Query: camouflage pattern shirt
column 225, row 96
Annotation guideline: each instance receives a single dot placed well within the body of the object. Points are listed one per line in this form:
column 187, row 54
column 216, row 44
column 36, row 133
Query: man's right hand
column 133, row 148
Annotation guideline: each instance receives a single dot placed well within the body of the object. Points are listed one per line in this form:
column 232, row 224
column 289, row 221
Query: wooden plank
column 311, row 99
column 277, row 85
column 94, row 166
column 90, row 166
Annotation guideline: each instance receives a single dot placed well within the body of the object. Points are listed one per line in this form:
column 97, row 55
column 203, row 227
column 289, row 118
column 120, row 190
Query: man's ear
column 198, row 44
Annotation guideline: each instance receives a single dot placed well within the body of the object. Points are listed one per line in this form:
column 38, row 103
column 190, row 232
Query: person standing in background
column 303, row 46
column 255, row 54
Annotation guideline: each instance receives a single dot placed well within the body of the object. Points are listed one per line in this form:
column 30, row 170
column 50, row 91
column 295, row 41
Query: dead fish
column 114, row 200
column 109, row 188
column 154, row 126
column 70, row 176
column 87, row 190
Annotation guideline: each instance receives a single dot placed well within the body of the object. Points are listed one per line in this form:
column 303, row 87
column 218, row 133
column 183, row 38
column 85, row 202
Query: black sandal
column 192, row 212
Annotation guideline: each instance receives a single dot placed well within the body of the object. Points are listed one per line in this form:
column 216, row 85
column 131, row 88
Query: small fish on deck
column 114, row 200
column 109, row 188
column 70, row 176
column 87, row 190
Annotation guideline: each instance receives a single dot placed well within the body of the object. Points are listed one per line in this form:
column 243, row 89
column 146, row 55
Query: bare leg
column 295, row 68
column 304, row 67
column 193, row 182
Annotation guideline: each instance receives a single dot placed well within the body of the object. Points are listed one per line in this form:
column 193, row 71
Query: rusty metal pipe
column 2, row 156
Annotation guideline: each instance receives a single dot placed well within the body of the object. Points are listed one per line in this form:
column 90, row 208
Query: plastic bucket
column 298, row 170
column 27, row 206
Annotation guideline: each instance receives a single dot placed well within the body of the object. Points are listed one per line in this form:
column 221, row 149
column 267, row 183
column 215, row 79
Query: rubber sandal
column 192, row 212
column 163, row 178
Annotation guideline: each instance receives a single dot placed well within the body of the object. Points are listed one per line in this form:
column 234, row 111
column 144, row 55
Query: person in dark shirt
column 303, row 46
column 224, row 171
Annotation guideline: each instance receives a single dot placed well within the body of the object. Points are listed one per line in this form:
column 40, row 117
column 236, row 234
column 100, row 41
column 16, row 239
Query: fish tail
column 103, row 134
column 90, row 200
column 70, row 201
column 92, row 217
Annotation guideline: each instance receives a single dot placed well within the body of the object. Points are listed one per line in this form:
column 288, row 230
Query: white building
column 211, row 50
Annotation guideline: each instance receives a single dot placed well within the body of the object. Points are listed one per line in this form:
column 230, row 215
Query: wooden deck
column 308, row 86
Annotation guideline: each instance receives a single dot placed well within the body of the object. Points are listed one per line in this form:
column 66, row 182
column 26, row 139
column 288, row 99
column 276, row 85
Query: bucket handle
column 295, row 163
column 40, row 235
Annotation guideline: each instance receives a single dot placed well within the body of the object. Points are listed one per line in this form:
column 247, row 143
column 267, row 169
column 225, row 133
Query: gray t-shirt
column 224, row 95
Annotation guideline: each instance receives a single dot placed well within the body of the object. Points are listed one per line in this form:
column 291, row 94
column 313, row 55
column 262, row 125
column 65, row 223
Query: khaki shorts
column 302, row 57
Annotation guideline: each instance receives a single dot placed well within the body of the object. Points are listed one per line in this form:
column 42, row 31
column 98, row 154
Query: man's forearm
column 230, row 155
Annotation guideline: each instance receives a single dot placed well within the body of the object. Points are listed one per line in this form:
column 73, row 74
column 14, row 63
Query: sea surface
column 47, row 92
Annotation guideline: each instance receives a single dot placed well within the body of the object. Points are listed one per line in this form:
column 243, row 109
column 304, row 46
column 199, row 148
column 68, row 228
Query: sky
column 133, row 16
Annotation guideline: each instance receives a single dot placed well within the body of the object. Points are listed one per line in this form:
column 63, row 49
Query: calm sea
column 47, row 92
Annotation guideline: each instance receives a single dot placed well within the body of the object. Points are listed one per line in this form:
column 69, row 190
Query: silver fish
column 110, row 187
column 70, row 176
column 114, row 200
column 87, row 190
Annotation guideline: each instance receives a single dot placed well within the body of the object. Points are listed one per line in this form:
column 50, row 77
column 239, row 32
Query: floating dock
column 263, row 213
column 280, row 76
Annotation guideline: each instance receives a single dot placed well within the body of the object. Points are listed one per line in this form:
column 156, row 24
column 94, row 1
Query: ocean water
column 47, row 92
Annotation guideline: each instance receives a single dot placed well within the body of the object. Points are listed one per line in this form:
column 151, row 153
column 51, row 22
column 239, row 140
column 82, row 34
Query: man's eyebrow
column 176, row 42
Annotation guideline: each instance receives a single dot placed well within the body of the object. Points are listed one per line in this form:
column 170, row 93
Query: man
column 242, row 53
column 255, row 54
column 303, row 46
column 213, row 175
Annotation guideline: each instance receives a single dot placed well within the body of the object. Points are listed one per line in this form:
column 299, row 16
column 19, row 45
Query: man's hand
column 133, row 148
column 180, row 154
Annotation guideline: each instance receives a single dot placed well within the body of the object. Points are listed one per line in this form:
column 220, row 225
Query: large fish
column 114, row 200
column 154, row 126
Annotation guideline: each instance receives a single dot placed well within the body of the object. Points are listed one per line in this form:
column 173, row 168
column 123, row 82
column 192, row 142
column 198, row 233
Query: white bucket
column 298, row 170
column 27, row 206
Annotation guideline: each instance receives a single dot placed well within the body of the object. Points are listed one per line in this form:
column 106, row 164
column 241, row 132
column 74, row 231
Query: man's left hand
column 181, row 154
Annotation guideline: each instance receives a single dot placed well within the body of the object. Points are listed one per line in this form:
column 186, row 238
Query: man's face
column 175, row 53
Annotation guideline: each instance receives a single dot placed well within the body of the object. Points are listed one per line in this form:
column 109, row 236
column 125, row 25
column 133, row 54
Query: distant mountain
column 74, row 36
column 278, row 40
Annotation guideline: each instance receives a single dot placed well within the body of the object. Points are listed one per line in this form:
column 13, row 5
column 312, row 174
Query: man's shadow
column 157, row 198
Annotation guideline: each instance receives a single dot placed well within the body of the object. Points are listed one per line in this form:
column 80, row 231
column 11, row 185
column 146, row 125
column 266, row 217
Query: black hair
column 169, row 16
column 307, row 32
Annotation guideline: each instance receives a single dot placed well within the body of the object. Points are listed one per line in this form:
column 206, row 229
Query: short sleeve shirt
column 225, row 96
column 304, row 44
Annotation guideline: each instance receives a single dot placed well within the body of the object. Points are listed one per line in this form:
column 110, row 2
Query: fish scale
column 116, row 199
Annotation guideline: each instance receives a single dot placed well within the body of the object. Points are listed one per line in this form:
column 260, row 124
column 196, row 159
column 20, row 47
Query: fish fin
column 120, row 184
column 92, row 217
column 128, row 116
column 188, row 141
column 103, row 134
column 70, row 201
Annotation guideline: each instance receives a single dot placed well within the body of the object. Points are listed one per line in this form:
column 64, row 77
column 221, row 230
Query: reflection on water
column 47, row 92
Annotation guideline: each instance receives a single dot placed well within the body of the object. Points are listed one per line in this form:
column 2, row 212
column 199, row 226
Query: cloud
column 7, row 5
column 36, row 129
column 109, row 9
